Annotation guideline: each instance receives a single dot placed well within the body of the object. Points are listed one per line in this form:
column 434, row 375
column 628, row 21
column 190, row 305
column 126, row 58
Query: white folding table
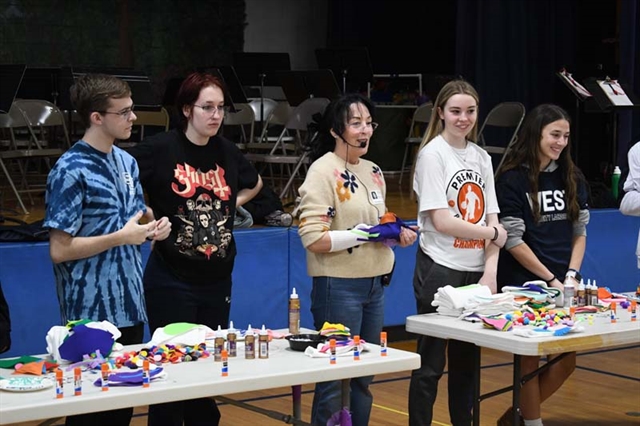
column 202, row 378
column 601, row 335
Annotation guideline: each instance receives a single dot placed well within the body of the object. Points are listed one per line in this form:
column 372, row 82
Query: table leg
column 296, row 394
column 476, row 385
column 346, row 393
column 517, row 385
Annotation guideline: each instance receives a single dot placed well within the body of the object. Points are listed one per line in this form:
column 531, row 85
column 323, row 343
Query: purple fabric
column 85, row 340
column 127, row 378
column 341, row 418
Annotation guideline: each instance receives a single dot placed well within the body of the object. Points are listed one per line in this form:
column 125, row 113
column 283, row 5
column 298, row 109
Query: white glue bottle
column 294, row 313
column 569, row 293
column 263, row 343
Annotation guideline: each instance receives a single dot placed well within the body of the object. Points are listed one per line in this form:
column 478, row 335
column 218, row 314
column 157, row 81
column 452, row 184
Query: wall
column 270, row 262
column 294, row 26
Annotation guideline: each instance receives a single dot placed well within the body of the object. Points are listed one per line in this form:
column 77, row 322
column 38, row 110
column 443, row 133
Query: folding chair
column 39, row 118
column 419, row 121
column 499, row 131
column 144, row 119
column 276, row 115
column 298, row 124
column 242, row 116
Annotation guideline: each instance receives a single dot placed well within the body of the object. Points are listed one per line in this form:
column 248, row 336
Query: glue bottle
column 569, row 293
column 593, row 294
column 249, row 344
column 294, row 313
column 263, row 343
column 218, row 345
column 232, row 343
column 582, row 294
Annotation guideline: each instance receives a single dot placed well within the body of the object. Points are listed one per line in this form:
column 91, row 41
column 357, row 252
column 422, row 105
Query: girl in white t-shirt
column 459, row 242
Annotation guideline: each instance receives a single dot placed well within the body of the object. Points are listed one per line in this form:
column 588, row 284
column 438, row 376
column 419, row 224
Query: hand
column 134, row 233
column 408, row 236
column 162, row 229
column 384, row 231
column 502, row 236
column 490, row 281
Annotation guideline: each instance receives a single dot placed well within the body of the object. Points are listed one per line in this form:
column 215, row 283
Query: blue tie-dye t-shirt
column 90, row 193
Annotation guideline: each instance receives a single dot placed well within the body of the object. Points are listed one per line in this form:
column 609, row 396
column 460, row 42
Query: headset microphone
column 360, row 145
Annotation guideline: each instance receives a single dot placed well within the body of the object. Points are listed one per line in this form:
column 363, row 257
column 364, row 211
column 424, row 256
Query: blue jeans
column 357, row 303
column 423, row 389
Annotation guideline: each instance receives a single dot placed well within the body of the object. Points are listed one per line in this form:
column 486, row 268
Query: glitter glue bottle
column 59, row 384
column 232, row 341
column 146, row 378
column 356, row 348
column 614, row 318
column 77, row 381
column 250, row 344
column 332, row 350
column 225, row 363
column 218, row 345
column 104, row 378
column 263, row 343
column 383, row 343
column 294, row 313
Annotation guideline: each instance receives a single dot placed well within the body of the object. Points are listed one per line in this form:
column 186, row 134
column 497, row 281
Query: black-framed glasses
column 125, row 113
column 212, row 109
column 363, row 125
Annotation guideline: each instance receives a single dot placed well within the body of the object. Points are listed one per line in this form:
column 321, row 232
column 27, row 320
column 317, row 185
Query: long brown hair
column 525, row 152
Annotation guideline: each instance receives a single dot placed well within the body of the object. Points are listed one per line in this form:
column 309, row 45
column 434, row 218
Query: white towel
column 457, row 298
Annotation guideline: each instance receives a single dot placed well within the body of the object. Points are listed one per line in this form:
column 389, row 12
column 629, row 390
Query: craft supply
column 582, row 299
column 569, row 293
column 104, row 371
column 59, row 384
column 612, row 307
column 572, row 313
column 249, row 344
column 225, row 363
column 332, row 349
column 232, row 341
column 634, row 310
column 146, row 378
column 356, row 348
column 383, row 343
column 77, row 381
column 218, row 345
column 593, row 294
column 294, row 313
column 263, row 343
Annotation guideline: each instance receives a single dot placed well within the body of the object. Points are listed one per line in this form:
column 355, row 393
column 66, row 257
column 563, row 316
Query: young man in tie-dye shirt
column 94, row 203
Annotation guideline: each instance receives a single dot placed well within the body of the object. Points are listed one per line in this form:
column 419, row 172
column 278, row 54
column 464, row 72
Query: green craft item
column 11, row 362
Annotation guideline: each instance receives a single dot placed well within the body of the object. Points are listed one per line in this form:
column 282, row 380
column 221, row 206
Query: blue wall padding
column 270, row 262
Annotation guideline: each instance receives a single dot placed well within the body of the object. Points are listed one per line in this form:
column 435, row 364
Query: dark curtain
column 629, row 122
column 511, row 50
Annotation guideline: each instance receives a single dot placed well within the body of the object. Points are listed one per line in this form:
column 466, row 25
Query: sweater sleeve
column 317, row 207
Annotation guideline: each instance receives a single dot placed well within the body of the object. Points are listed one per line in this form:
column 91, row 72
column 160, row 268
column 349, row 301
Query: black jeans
column 427, row 278
column 171, row 300
column 130, row 336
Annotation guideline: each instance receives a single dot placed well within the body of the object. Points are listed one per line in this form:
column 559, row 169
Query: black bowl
column 300, row 342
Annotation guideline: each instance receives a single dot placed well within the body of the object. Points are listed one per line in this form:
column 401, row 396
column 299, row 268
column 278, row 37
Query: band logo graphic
column 189, row 179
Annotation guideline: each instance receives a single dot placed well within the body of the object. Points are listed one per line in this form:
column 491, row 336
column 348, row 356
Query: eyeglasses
column 363, row 125
column 125, row 113
column 212, row 109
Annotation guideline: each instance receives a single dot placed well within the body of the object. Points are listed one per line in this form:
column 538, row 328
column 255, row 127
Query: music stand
column 299, row 86
column 40, row 83
column 11, row 77
column 259, row 69
column 581, row 95
column 348, row 62
column 230, row 79
column 606, row 104
column 142, row 93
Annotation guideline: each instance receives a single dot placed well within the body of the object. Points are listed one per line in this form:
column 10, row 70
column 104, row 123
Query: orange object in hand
column 388, row 217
